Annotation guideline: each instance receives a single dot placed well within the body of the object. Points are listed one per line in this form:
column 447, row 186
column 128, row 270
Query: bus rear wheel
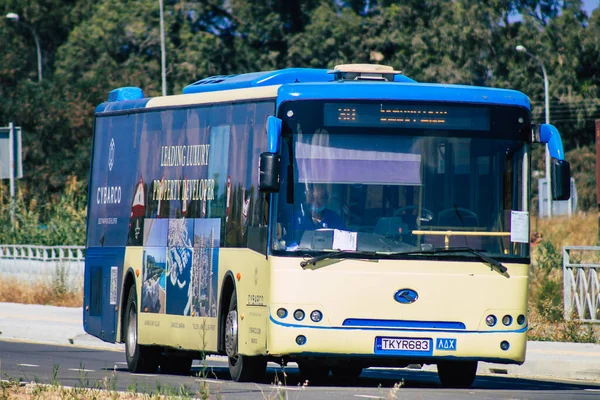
column 457, row 374
column 241, row 368
column 139, row 358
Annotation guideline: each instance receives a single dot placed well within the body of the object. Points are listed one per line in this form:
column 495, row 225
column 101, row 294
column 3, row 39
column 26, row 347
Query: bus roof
column 268, row 78
column 309, row 84
column 401, row 91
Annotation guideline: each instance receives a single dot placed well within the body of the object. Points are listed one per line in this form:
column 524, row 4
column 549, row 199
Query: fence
column 581, row 268
column 45, row 264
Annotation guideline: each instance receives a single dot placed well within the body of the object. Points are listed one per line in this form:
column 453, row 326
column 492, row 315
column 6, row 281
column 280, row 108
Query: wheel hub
column 231, row 334
column 132, row 333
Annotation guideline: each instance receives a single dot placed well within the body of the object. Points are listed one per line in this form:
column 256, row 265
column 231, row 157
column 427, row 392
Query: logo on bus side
column 406, row 296
column 109, row 194
column 111, row 154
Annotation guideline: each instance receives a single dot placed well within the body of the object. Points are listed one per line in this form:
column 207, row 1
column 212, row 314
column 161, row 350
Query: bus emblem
column 406, row 296
column 111, row 154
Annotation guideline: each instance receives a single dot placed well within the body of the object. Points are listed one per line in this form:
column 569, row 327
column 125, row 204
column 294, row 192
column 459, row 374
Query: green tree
column 90, row 48
column 331, row 38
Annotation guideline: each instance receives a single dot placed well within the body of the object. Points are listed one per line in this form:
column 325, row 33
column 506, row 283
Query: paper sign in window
column 519, row 226
column 344, row 240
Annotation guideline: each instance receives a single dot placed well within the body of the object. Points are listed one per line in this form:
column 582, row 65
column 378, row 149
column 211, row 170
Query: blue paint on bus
column 401, row 92
column 258, row 79
column 121, row 105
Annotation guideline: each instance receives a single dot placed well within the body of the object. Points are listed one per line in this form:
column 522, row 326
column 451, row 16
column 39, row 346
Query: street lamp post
column 522, row 49
column 163, row 54
column 15, row 17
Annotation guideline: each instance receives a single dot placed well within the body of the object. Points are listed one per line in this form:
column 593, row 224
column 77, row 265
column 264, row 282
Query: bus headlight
column 282, row 313
column 521, row 319
column 316, row 316
column 507, row 320
column 491, row 320
column 299, row 315
column 301, row 340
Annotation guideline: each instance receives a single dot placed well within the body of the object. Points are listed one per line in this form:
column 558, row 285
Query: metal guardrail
column 581, row 283
column 42, row 253
column 31, row 264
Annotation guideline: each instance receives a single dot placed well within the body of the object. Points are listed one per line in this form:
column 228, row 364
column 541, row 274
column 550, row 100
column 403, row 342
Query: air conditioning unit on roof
column 355, row 72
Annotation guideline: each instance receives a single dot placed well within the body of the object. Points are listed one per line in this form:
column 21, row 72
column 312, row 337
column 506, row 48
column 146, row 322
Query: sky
column 589, row 6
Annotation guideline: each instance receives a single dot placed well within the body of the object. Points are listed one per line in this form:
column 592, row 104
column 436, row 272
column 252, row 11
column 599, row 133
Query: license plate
column 394, row 345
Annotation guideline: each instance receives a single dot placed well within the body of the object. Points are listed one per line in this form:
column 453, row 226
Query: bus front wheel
column 457, row 374
column 241, row 368
column 139, row 358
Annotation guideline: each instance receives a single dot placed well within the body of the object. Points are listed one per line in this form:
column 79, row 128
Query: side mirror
column 268, row 172
column 270, row 161
column 548, row 134
column 273, row 133
column 561, row 179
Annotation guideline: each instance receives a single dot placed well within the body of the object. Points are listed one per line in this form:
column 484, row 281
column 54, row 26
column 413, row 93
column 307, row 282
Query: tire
column 457, row 374
column 241, row 368
column 139, row 358
column 313, row 371
column 350, row 371
column 175, row 365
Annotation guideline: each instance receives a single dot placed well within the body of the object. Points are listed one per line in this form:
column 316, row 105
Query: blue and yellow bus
column 340, row 219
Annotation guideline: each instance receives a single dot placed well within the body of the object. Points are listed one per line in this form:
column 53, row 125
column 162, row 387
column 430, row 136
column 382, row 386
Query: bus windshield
column 395, row 188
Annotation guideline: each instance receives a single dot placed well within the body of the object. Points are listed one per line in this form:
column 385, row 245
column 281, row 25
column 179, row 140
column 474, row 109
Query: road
column 90, row 367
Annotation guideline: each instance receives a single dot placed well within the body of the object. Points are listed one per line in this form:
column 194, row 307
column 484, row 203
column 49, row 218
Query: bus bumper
column 380, row 347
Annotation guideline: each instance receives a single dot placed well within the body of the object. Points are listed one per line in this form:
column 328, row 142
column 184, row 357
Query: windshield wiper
column 339, row 254
column 494, row 264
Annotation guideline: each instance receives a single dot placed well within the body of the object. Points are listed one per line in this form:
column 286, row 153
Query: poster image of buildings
column 153, row 281
column 204, row 268
column 179, row 266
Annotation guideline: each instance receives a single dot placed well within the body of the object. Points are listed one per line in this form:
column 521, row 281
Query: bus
column 339, row 219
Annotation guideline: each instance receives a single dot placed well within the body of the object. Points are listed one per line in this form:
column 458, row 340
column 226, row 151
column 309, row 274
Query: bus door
column 103, row 269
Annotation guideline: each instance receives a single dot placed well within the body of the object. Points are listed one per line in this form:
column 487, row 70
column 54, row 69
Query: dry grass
column 42, row 392
column 12, row 291
column 540, row 329
column 15, row 390
column 102, row 390
column 578, row 230
column 545, row 300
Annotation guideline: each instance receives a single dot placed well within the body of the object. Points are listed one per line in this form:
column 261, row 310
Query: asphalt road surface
column 93, row 368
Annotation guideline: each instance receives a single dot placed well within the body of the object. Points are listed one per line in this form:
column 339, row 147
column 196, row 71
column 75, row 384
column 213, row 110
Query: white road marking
column 144, row 375
column 366, row 396
column 210, row 380
column 28, row 365
column 81, row 370
column 294, row 389
column 121, row 362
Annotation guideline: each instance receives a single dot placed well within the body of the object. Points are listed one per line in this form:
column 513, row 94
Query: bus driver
column 314, row 215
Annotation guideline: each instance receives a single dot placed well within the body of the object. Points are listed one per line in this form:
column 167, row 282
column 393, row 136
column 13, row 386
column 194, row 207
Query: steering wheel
column 426, row 215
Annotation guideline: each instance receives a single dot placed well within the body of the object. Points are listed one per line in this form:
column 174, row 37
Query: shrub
column 60, row 222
